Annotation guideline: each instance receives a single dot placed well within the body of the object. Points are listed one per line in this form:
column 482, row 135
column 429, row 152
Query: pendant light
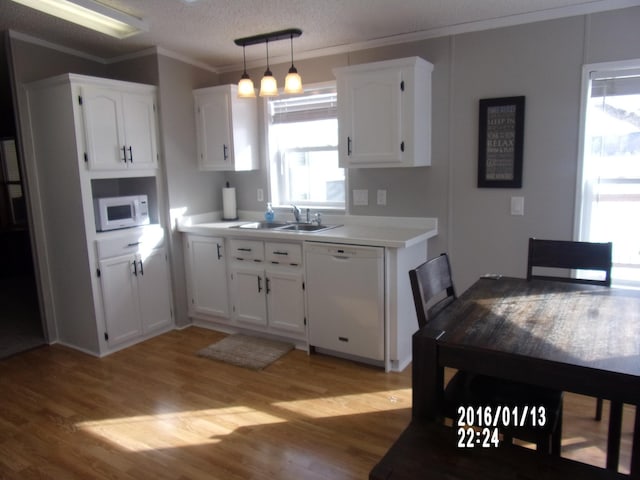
column 268, row 84
column 245, row 85
column 293, row 81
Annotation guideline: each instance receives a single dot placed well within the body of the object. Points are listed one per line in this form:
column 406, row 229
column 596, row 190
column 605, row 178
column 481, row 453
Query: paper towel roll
column 229, row 204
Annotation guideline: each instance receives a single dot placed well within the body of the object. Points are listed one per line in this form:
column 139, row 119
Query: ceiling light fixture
column 268, row 84
column 245, row 85
column 91, row 14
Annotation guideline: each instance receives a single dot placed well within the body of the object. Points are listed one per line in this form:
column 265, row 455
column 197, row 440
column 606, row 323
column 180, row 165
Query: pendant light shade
column 245, row 85
column 268, row 84
column 293, row 80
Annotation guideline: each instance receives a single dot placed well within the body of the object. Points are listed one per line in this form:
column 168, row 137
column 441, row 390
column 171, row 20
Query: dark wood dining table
column 571, row 337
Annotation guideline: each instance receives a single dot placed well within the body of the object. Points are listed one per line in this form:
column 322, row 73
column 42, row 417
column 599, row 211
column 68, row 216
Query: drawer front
column 283, row 253
column 130, row 243
column 246, row 249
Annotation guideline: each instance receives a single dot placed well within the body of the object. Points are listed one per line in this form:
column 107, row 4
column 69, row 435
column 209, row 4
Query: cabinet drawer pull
column 280, row 253
column 343, row 339
column 133, row 244
column 244, row 249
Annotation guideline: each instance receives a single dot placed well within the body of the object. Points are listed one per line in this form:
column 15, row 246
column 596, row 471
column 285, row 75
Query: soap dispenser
column 269, row 214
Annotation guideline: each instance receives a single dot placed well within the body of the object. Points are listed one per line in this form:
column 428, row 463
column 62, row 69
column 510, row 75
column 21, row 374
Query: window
column 303, row 149
column 610, row 190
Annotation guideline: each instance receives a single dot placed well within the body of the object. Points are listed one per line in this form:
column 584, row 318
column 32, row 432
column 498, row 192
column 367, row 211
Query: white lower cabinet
column 136, row 293
column 206, row 266
column 120, row 298
column 267, row 286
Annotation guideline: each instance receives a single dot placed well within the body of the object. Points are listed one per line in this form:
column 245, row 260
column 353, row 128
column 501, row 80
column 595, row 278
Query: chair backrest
column 566, row 254
column 432, row 287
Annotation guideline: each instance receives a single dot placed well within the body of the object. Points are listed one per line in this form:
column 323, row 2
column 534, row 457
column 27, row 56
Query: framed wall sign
column 500, row 146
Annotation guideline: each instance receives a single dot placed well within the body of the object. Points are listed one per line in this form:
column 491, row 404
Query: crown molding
column 54, row 46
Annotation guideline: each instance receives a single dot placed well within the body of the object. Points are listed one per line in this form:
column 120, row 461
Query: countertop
column 392, row 232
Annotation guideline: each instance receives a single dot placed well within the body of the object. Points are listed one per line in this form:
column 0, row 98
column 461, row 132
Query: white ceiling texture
column 202, row 31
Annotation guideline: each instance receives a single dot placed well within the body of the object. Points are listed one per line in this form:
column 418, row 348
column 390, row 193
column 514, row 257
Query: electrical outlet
column 382, row 197
column 260, row 195
column 361, row 197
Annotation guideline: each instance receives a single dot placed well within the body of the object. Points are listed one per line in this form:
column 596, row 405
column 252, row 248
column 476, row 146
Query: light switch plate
column 260, row 195
column 382, row 197
column 361, row 197
column 517, row 205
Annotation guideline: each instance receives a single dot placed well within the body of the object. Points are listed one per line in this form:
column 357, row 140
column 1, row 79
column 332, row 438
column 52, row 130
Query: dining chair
column 571, row 255
column 433, row 290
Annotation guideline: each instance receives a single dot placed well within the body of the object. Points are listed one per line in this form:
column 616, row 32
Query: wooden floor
column 158, row 411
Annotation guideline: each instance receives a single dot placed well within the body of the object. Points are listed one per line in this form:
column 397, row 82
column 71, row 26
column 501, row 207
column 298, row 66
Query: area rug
column 246, row 351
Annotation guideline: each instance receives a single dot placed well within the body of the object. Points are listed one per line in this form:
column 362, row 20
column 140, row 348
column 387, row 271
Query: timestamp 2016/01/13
column 502, row 416
column 469, row 437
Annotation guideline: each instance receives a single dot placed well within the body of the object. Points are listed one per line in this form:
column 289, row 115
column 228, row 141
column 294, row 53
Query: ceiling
column 203, row 31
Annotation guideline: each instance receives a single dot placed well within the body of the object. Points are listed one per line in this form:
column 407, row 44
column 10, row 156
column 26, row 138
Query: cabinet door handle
column 124, row 154
column 349, row 146
column 135, row 268
column 130, row 154
column 259, row 284
column 218, row 247
column 402, row 146
column 225, row 152
column 141, row 268
column 267, row 284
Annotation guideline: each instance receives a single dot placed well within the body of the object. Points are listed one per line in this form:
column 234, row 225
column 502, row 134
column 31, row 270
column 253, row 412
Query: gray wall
column 542, row 61
column 189, row 191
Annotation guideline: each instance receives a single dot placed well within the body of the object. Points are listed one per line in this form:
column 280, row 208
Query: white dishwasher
column 345, row 298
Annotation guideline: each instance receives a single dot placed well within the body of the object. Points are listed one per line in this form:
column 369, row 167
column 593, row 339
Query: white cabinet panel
column 384, row 113
column 103, row 128
column 153, row 282
column 226, row 129
column 120, row 298
column 207, row 275
column 285, row 300
column 248, row 293
column 119, row 127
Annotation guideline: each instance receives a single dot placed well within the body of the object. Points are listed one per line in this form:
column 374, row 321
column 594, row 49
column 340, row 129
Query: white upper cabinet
column 384, row 113
column 226, row 129
column 119, row 127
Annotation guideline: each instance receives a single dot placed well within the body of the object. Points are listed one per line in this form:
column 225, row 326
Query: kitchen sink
column 307, row 227
column 261, row 225
column 285, row 226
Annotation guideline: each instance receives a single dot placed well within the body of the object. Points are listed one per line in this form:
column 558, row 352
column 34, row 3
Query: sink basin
column 307, row 227
column 261, row 225
column 285, row 226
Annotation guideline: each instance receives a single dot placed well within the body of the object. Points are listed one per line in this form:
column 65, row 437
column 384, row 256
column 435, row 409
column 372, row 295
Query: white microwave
column 121, row 212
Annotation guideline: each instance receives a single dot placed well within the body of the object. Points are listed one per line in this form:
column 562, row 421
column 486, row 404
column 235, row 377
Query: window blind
column 318, row 105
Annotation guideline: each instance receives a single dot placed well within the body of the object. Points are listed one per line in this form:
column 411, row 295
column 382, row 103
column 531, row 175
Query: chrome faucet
column 296, row 213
